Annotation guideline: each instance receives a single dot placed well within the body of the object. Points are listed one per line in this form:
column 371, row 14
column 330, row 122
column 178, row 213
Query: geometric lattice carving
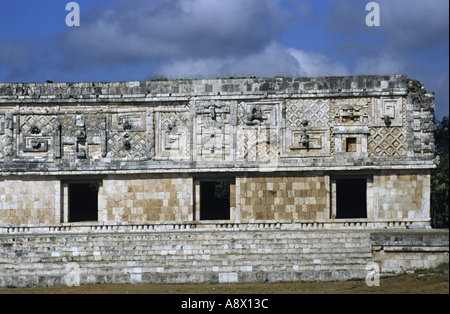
column 127, row 145
column 315, row 111
column 2, row 135
column 127, row 137
column 173, row 136
column 332, row 143
column 257, row 144
column 44, row 123
column 37, row 133
column 387, row 142
column 2, row 140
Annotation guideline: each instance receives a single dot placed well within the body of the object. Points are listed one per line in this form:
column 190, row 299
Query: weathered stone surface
column 282, row 144
column 140, row 124
column 213, row 256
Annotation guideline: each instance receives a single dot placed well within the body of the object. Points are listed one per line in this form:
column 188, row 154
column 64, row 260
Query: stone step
column 183, row 257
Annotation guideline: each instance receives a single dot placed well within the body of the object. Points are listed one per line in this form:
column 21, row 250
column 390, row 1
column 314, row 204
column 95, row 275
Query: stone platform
column 214, row 256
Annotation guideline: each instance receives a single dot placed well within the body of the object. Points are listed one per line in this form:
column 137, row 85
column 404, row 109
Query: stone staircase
column 184, row 256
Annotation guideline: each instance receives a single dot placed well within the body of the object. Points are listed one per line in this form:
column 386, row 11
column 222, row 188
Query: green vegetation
column 222, row 190
column 439, row 177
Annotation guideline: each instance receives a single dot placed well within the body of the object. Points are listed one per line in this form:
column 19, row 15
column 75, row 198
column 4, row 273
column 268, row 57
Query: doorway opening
column 351, row 199
column 83, row 202
column 215, row 200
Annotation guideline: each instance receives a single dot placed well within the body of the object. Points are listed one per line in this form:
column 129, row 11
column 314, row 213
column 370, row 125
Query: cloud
column 383, row 63
column 318, row 64
column 404, row 24
column 275, row 59
column 167, row 29
column 16, row 58
column 14, row 52
column 416, row 24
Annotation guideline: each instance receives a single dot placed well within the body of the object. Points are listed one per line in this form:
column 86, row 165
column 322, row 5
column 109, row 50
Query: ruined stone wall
column 400, row 251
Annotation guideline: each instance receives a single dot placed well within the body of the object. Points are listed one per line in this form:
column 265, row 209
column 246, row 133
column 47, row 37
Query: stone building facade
column 231, row 180
column 325, row 152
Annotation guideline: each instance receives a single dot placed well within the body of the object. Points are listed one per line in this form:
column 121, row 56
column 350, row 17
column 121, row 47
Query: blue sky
column 120, row 40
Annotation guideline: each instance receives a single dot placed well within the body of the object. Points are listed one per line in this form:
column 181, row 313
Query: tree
column 440, row 177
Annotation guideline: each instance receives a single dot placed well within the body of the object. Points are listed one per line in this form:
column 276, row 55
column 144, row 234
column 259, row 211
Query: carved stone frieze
column 297, row 122
column 257, row 144
column 351, row 111
column 315, row 111
column 213, row 131
column 387, row 112
column 2, row 124
column 254, row 114
column 127, row 145
column 37, row 133
column 127, row 135
column 258, row 131
column 172, row 133
column 8, row 136
column 387, row 142
column 82, row 135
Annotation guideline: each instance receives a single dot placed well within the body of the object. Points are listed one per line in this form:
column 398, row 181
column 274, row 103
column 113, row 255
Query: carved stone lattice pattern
column 387, row 142
column 173, row 137
column 180, row 119
column 137, row 144
column 2, row 135
column 315, row 111
column 252, row 145
column 46, row 124
column 2, row 140
column 332, row 143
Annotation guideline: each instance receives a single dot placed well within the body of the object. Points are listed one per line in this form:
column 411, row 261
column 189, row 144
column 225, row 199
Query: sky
column 137, row 40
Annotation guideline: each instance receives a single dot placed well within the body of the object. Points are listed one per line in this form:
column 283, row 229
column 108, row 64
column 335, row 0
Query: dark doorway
column 83, row 202
column 215, row 200
column 351, row 198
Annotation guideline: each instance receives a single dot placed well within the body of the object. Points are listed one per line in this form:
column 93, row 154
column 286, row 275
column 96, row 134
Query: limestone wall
column 400, row 251
column 187, row 256
column 180, row 257
column 282, row 143
column 402, row 195
column 144, row 199
column 30, row 201
column 392, row 196
column 274, row 197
